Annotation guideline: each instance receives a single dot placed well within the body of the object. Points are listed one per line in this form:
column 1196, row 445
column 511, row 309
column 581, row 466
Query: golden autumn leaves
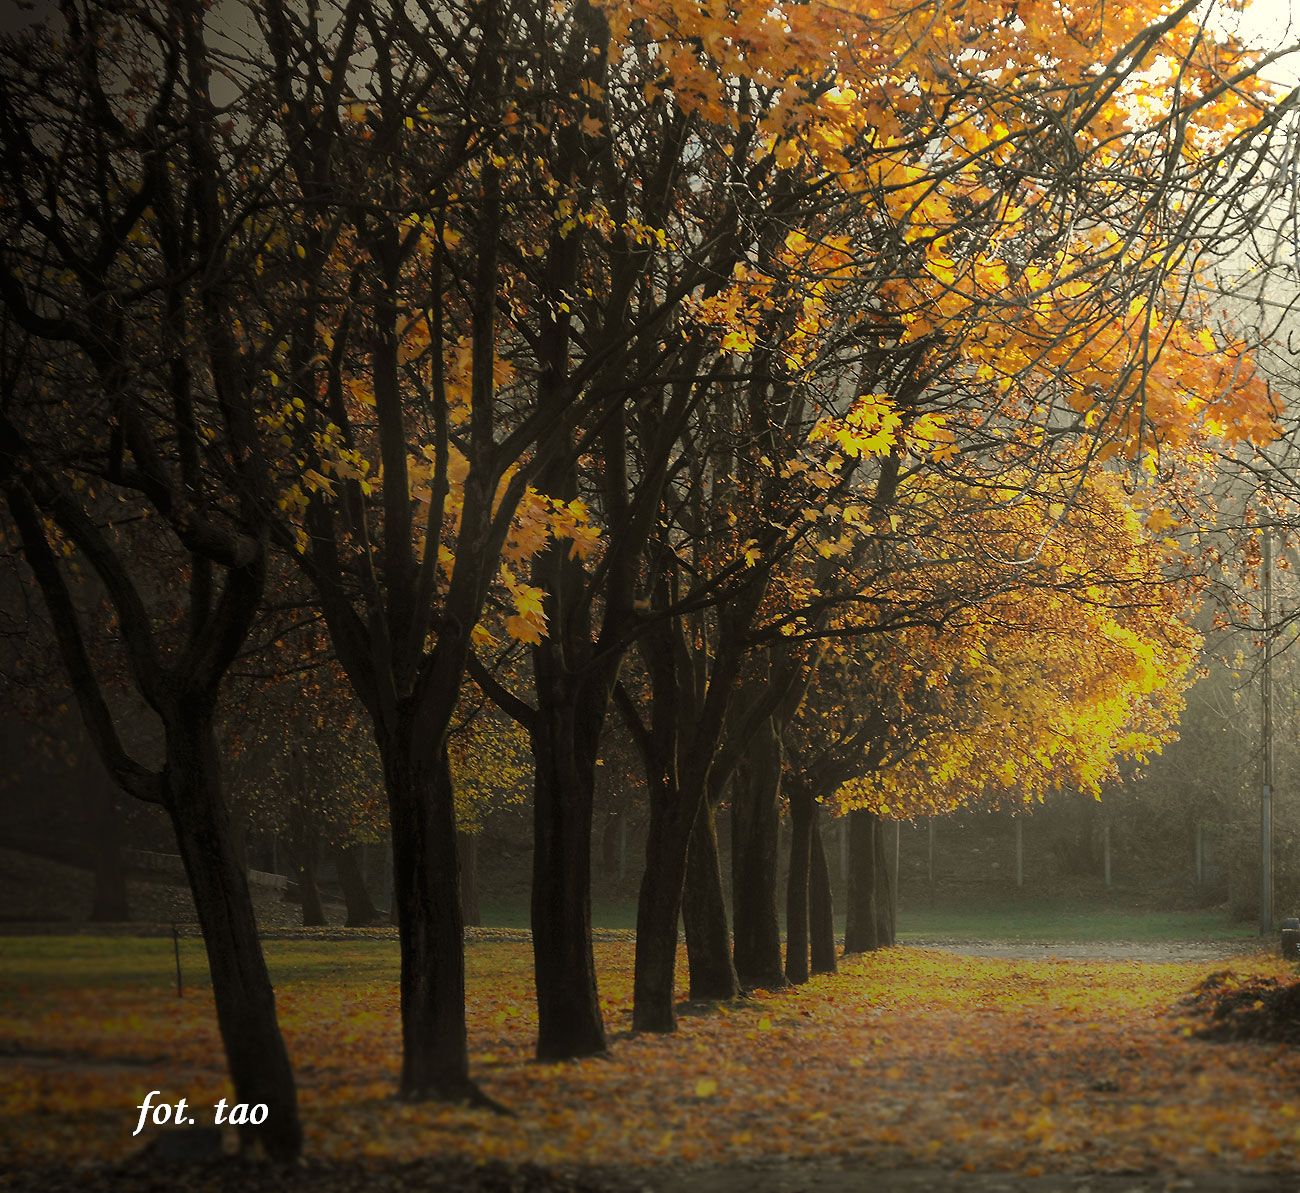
column 909, row 117
column 908, row 1058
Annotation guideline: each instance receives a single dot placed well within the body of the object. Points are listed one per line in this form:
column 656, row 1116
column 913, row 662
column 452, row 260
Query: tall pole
column 1266, row 727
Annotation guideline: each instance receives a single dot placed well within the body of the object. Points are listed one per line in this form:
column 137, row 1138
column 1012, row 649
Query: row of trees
column 776, row 390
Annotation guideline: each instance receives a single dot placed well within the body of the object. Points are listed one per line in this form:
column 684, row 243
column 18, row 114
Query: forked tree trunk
column 189, row 788
column 241, row 986
column 435, row 1057
column 796, row 899
column 704, row 913
column 658, row 910
column 860, row 925
column 362, row 911
column 754, row 830
column 471, row 911
column 821, row 906
column 568, row 1008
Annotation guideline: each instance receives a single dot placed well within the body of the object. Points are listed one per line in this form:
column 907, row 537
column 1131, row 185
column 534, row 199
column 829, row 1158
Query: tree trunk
column 704, row 913
column 755, row 787
column 885, row 901
column 241, row 986
column 109, row 903
column 569, row 1022
column 470, row 909
column 860, row 926
column 313, row 910
column 304, row 834
column 435, row 1056
column 658, row 910
column 821, row 906
column 796, row 897
column 362, row 911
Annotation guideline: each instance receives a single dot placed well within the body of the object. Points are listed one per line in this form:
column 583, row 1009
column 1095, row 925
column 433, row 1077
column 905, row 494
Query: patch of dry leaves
column 909, row 1057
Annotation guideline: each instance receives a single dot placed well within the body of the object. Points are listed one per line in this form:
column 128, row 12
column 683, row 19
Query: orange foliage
column 907, row 1058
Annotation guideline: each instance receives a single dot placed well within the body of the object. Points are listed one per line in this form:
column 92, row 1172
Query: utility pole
column 1266, row 727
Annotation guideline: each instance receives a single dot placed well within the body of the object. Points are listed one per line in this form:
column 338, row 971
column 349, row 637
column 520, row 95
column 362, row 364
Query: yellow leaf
column 706, row 1087
column 523, row 630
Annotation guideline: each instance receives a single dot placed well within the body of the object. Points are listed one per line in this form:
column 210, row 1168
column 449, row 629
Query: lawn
column 1016, row 918
column 906, row 1058
column 986, row 916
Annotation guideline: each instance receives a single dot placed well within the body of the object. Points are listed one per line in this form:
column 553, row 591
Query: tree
column 1001, row 705
column 135, row 316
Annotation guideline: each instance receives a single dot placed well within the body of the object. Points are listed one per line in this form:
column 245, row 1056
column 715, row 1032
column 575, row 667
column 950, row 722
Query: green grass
column 1020, row 919
column 109, row 961
column 984, row 916
column 102, row 962
column 605, row 913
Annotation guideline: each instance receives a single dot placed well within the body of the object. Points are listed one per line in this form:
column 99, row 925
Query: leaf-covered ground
column 910, row 1059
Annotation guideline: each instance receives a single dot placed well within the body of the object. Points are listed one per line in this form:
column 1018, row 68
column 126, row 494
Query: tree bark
column 313, row 910
column 796, row 898
column 658, row 910
column 860, row 926
column 754, row 820
column 435, row 1054
column 362, row 911
column 821, row 906
column 569, row 1022
column 704, row 913
column 241, row 986
column 469, row 901
column 306, row 847
column 304, row 837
